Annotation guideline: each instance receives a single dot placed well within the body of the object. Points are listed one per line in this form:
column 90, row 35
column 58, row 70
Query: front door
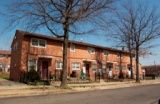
column 44, row 74
column 87, row 71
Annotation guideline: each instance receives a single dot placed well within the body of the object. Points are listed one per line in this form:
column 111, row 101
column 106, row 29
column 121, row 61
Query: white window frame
column 44, row 42
column 38, row 43
column 90, row 50
column 117, row 67
column 61, row 65
column 74, row 66
column 1, row 66
column 72, row 46
column 94, row 67
column 124, row 67
column 29, row 64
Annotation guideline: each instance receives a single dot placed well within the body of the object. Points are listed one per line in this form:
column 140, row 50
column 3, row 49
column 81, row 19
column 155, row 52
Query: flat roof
column 5, row 52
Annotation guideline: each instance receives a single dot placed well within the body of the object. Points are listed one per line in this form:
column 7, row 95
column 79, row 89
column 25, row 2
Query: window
column 1, row 56
column 75, row 66
column 42, row 43
column 38, row 43
column 35, row 42
column 32, row 64
column 109, row 66
column 94, row 67
column 59, row 65
column 124, row 67
column 72, row 48
column 1, row 65
column 106, row 53
column 91, row 50
column 118, row 67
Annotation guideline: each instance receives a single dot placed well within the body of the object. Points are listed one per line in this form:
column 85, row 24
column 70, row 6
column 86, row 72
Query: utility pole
column 155, row 67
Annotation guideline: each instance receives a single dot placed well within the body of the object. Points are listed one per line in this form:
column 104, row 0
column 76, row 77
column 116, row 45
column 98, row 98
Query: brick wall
column 53, row 52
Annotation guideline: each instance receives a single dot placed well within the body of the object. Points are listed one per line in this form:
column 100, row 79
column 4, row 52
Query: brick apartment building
column 152, row 70
column 44, row 54
column 5, row 57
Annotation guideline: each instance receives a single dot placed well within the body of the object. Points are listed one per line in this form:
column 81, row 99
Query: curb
column 41, row 90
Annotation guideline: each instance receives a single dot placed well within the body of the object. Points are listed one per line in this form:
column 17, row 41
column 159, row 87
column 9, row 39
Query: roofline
column 5, row 52
column 70, row 41
column 146, row 66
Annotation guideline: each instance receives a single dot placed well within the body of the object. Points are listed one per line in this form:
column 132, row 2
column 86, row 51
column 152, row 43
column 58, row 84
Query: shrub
column 32, row 76
column 4, row 75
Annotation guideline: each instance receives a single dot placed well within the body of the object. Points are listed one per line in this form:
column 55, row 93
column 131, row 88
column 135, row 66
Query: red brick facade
column 46, row 53
column 151, row 70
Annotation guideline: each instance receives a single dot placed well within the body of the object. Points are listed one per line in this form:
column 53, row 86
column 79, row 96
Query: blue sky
column 6, row 36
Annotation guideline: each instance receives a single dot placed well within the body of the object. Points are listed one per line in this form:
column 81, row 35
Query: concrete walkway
column 6, row 84
column 18, row 89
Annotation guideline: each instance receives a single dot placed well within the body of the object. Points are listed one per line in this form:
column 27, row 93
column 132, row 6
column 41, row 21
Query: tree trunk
column 120, row 66
column 131, row 65
column 65, row 57
column 137, row 65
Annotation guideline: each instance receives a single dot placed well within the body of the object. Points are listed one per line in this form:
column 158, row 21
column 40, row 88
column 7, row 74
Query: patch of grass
column 39, row 83
column 4, row 75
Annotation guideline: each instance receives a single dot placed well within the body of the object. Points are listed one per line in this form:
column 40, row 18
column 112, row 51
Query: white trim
column 61, row 65
column 35, row 63
column 44, row 56
column 75, row 65
column 89, row 60
column 38, row 43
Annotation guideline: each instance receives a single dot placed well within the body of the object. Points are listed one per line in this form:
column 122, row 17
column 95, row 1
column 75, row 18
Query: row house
column 5, row 57
column 151, row 70
column 44, row 54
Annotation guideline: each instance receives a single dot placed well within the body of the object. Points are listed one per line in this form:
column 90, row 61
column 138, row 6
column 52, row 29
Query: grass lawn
column 4, row 75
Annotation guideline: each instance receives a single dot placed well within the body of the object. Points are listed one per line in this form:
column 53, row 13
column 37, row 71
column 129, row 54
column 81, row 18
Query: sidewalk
column 25, row 90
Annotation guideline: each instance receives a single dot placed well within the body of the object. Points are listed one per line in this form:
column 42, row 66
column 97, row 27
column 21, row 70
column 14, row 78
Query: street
column 134, row 95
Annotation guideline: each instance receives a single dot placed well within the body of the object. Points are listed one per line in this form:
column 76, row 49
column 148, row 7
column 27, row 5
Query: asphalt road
column 134, row 95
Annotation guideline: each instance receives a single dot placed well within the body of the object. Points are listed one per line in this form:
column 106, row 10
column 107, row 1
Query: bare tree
column 60, row 17
column 137, row 25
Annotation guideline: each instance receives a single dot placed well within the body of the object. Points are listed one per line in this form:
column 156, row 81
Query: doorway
column 87, row 68
column 44, row 69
